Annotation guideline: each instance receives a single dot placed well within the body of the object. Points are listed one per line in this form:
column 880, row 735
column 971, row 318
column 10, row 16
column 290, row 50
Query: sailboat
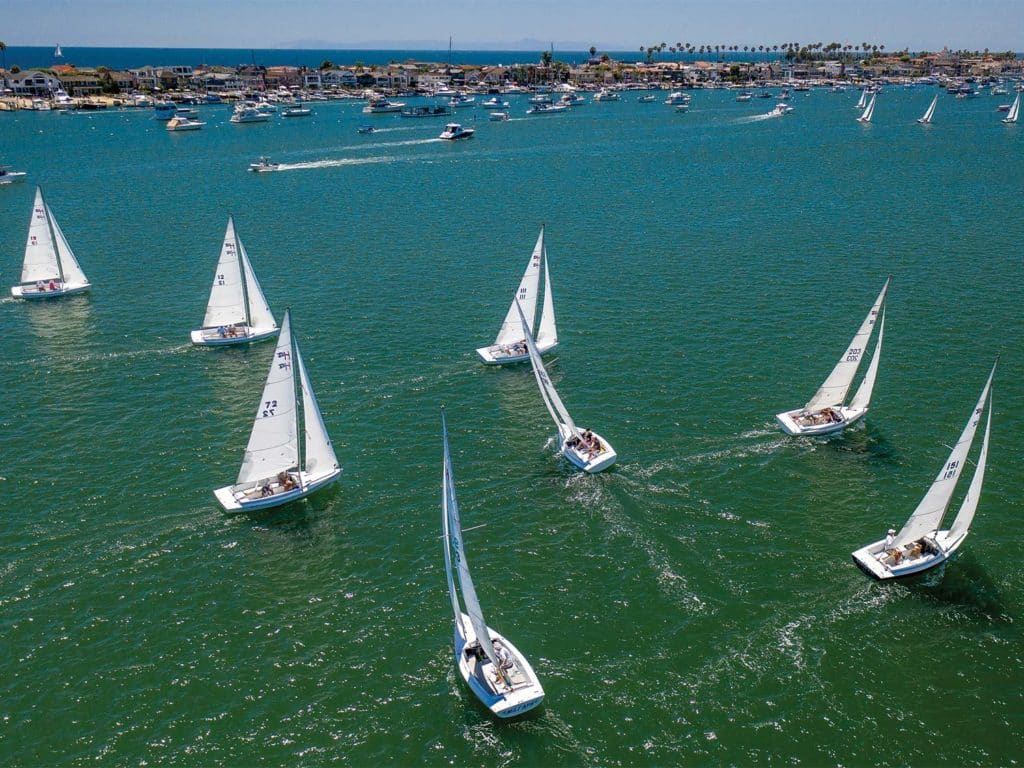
column 1011, row 116
column 50, row 268
column 237, row 311
column 492, row 667
column 868, row 111
column 827, row 412
column 920, row 545
column 862, row 102
column 926, row 119
column 56, row 52
column 270, row 474
column 510, row 346
column 587, row 450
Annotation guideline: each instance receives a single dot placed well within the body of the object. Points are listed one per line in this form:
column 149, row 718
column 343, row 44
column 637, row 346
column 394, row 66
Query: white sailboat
column 50, row 268
column 237, row 311
column 827, row 411
column 862, row 102
column 926, row 119
column 494, row 669
column 57, row 52
column 270, row 474
column 1011, row 116
column 510, row 346
column 584, row 448
column 920, row 545
column 868, row 111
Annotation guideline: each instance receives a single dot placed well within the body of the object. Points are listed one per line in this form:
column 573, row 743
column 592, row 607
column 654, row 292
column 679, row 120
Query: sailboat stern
column 513, row 692
column 900, row 562
column 264, row 494
column 592, row 456
column 223, row 336
column 507, row 354
column 799, row 422
column 33, row 291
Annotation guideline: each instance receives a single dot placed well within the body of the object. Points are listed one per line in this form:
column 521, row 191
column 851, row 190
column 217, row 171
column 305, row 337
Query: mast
column 241, row 272
column 447, row 486
column 53, row 236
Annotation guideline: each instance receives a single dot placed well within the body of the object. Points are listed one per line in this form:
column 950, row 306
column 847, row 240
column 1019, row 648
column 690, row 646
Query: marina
column 707, row 271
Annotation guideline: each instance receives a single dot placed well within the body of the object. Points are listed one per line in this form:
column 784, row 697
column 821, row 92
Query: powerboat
column 494, row 103
column 454, row 131
column 183, row 123
column 381, row 105
column 263, row 165
column 546, row 108
column 435, row 110
column 296, row 111
column 8, row 176
column 244, row 114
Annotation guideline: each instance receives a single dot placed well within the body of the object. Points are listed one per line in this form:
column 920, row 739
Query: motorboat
column 546, row 108
column 648, row 98
column 7, row 176
column 380, row 105
column 244, row 114
column 263, row 165
column 606, row 94
column 677, row 97
column 454, row 131
column 182, row 123
column 498, row 117
column 164, row 110
column 434, row 110
column 494, row 103
column 461, row 101
column 296, row 111
column 745, row 96
column 366, row 129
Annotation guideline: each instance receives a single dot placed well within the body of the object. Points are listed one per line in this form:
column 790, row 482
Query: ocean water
column 697, row 604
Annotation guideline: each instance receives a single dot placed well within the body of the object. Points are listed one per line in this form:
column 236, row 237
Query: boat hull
column 236, row 499
column 790, row 425
column 30, row 293
column 209, row 337
column 498, row 354
column 588, row 461
column 876, row 563
column 503, row 701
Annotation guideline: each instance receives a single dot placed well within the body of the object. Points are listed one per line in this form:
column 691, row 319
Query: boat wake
column 312, row 164
column 99, row 356
column 758, row 118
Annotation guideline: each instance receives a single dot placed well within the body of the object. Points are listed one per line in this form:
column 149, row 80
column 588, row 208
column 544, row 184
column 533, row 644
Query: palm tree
column 3, row 50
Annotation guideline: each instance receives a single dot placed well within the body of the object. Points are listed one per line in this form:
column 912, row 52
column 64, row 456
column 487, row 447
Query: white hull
column 502, row 699
column 31, row 293
column 247, row 496
column 793, row 425
column 589, row 461
column 210, row 337
column 875, row 561
column 504, row 354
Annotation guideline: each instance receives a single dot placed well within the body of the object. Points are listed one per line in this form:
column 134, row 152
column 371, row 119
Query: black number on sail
column 220, row 279
column 269, row 407
column 951, row 470
column 853, row 355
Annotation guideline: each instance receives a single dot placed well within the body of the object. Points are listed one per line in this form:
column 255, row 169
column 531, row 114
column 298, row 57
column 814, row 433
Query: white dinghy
column 926, row 118
column 270, row 474
column 920, row 545
column 587, row 450
column 827, row 411
column 510, row 346
column 50, row 268
column 492, row 667
column 237, row 311
column 869, row 111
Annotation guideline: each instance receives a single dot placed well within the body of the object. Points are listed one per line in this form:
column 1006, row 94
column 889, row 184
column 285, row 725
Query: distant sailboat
column 869, row 111
column 585, row 449
column 926, row 119
column 50, row 268
column 1011, row 116
column 862, row 102
column 56, row 53
column 827, row 412
column 920, row 545
column 492, row 667
column 237, row 311
column 510, row 346
column 279, row 468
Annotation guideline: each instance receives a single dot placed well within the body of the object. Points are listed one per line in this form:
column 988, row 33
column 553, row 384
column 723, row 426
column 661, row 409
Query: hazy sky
column 576, row 24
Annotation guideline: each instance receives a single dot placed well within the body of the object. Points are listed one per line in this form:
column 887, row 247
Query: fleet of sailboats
column 510, row 345
column 237, row 311
column 1011, row 116
column 869, row 110
column 287, row 457
column 584, row 448
column 493, row 668
column 50, row 268
column 929, row 113
column 828, row 410
column 920, row 545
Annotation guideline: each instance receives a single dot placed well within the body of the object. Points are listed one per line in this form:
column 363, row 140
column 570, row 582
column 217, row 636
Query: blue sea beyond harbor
column 694, row 605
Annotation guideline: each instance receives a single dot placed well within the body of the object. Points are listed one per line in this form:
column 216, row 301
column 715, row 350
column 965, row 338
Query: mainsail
column 227, row 304
column 526, row 294
column 930, row 510
column 454, row 549
column 835, row 388
column 273, row 444
column 930, row 111
column 318, row 451
column 41, row 261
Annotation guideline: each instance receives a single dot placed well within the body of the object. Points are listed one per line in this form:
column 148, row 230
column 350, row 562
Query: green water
column 695, row 605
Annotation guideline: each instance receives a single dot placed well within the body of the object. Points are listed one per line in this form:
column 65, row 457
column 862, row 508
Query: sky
column 614, row 25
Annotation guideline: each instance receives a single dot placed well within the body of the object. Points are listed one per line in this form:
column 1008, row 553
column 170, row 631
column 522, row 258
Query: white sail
column 526, row 294
column 454, row 549
column 927, row 118
column 863, row 99
column 551, row 399
column 226, row 305
column 69, row 266
column 930, row 510
column 862, row 397
column 547, row 331
column 318, row 452
column 835, row 388
column 965, row 516
column 1011, row 116
column 260, row 315
column 868, row 111
column 273, row 444
column 41, row 261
